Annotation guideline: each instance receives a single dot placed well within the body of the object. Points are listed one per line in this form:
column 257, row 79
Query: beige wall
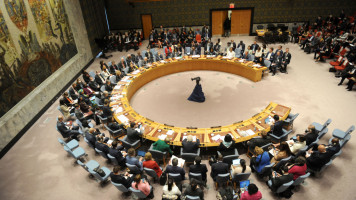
column 21, row 114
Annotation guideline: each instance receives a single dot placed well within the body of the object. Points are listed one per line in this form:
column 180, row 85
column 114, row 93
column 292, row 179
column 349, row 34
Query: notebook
column 244, row 184
column 236, row 162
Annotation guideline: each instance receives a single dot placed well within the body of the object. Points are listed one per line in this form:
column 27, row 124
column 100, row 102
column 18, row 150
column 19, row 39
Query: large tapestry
column 35, row 41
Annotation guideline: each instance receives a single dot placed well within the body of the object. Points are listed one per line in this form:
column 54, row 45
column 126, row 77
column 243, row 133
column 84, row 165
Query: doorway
column 146, row 20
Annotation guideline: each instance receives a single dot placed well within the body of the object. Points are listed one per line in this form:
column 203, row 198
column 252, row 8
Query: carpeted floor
column 37, row 167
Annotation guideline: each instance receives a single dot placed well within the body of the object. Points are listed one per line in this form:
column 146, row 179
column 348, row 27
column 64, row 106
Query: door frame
column 223, row 9
column 143, row 34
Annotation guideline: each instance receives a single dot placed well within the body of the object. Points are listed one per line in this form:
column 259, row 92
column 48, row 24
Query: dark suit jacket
column 225, row 151
column 333, row 149
column 114, row 126
column 310, row 138
column 272, row 56
column 149, row 56
column 94, row 85
column 176, row 170
column 190, row 147
column 106, row 111
column 120, row 179
column 91, row 138
column 98, row 79
column 317, row 160
column 197, row 192
column 277, row 61
column 287, row 57
column 254, row 47
column 132, row 135
column 108, row 87
column 102, row 147
column 219, row 168
column 242, row 47
column 199, row 169
column 278, row 181
column 277, row 128
column 65, row 132
column 117, row 154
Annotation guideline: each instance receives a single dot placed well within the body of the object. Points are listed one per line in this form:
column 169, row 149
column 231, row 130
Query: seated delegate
column 227, row 147
column 261, row 160
column 151, row 164
column 189, row 146
column 162, row 146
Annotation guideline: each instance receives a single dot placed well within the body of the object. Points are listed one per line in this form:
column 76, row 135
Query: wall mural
column 31, row 47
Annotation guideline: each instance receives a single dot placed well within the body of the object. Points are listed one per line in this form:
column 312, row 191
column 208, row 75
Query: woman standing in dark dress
column 197, row 94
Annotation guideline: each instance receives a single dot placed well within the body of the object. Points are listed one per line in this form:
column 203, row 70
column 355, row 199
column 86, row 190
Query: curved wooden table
column 127, row 87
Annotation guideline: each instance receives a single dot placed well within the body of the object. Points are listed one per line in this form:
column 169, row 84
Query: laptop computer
column 244, row 184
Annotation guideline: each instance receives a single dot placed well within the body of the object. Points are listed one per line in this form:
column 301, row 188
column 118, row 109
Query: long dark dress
column 197, row 94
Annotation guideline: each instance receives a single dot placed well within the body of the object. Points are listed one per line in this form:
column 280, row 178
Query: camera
column 196, row 78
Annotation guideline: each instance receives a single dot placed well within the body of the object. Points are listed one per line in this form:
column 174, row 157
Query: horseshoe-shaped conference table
column 240, row 131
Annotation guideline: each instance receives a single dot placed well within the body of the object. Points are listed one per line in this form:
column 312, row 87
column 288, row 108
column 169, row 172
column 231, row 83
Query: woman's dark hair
column 285, row 147
column 193, row 184
column 137, row 180
column 228, row 138
column 243, row 165
column 170, row 184
column 61, row 102
column 276, row 117
column 252, row 189
column 300, row 161
column 301, row 138
column 197, row 160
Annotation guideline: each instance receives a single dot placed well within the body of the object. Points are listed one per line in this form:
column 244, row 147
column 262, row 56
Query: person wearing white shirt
column 296, row 146
column 230, row 53
column 171, row 191
column 258, row 53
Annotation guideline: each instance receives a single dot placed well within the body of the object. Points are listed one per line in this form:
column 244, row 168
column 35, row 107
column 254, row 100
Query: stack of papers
column 135, row 72
column 126, row 78
column 117, row 87
column 116, row 97
column 162, row 61
column 123, row 119
column 170, row 132
column 256, row 65
column 218, row 137
column 250, row 132
column 242, row 60
column 162, row 137
column 210, row 56
column 177, row 58
column 196, row 56
column 236, row 162
column 194, row 138
column 180, row 160
column 118, row 110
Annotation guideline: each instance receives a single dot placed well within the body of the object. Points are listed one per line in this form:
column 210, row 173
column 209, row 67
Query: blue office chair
column 92, row 164
column 188, row 197
column 158, row 155
column 92, row 74
column 101, row 153
column 290, row 119
column 319, row 127
column 101, row 179
column 341, row 134
column 221, row 179
column 229, row 158
column 266, row 170
column 102, row 88
column 113, row 79
column 282, row 162
column 85, row 139
column 239, row 177
column 128, row 145
column 238, row 53
column 301, row 179
column 133, row 169
column 121, row 187
column 322, row 132
column 138, row 193
column 151, row 173
column 281, row 188
column 187, row 51
column 282, row 137
column 71, row 145
column 189, row 157
column 196, row 176
column 76, row 153
column 113, row 159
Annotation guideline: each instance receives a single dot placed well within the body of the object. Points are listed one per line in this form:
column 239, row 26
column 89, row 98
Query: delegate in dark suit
column 317, row 160
column 219, row 168
column 176, row 170
column 106, row 111
column 199, row 169
column 102, row 147
column 91, row 138
column 278, row 181
column 120, row 179
column 285, row 61
column 118, row 155
column 277, row 62
column 242, row 45
column 66, row 132
column 277, row 129
column 132, row 135
column 190, row 147
column 98, row 79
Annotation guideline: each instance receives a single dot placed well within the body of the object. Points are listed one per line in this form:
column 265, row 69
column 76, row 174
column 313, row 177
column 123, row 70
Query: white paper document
column 117, row 87
column 180, row 160
column 170, row 132
column 162, row 137
column 135, row 72
column 123, row 119
column 126, row 78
